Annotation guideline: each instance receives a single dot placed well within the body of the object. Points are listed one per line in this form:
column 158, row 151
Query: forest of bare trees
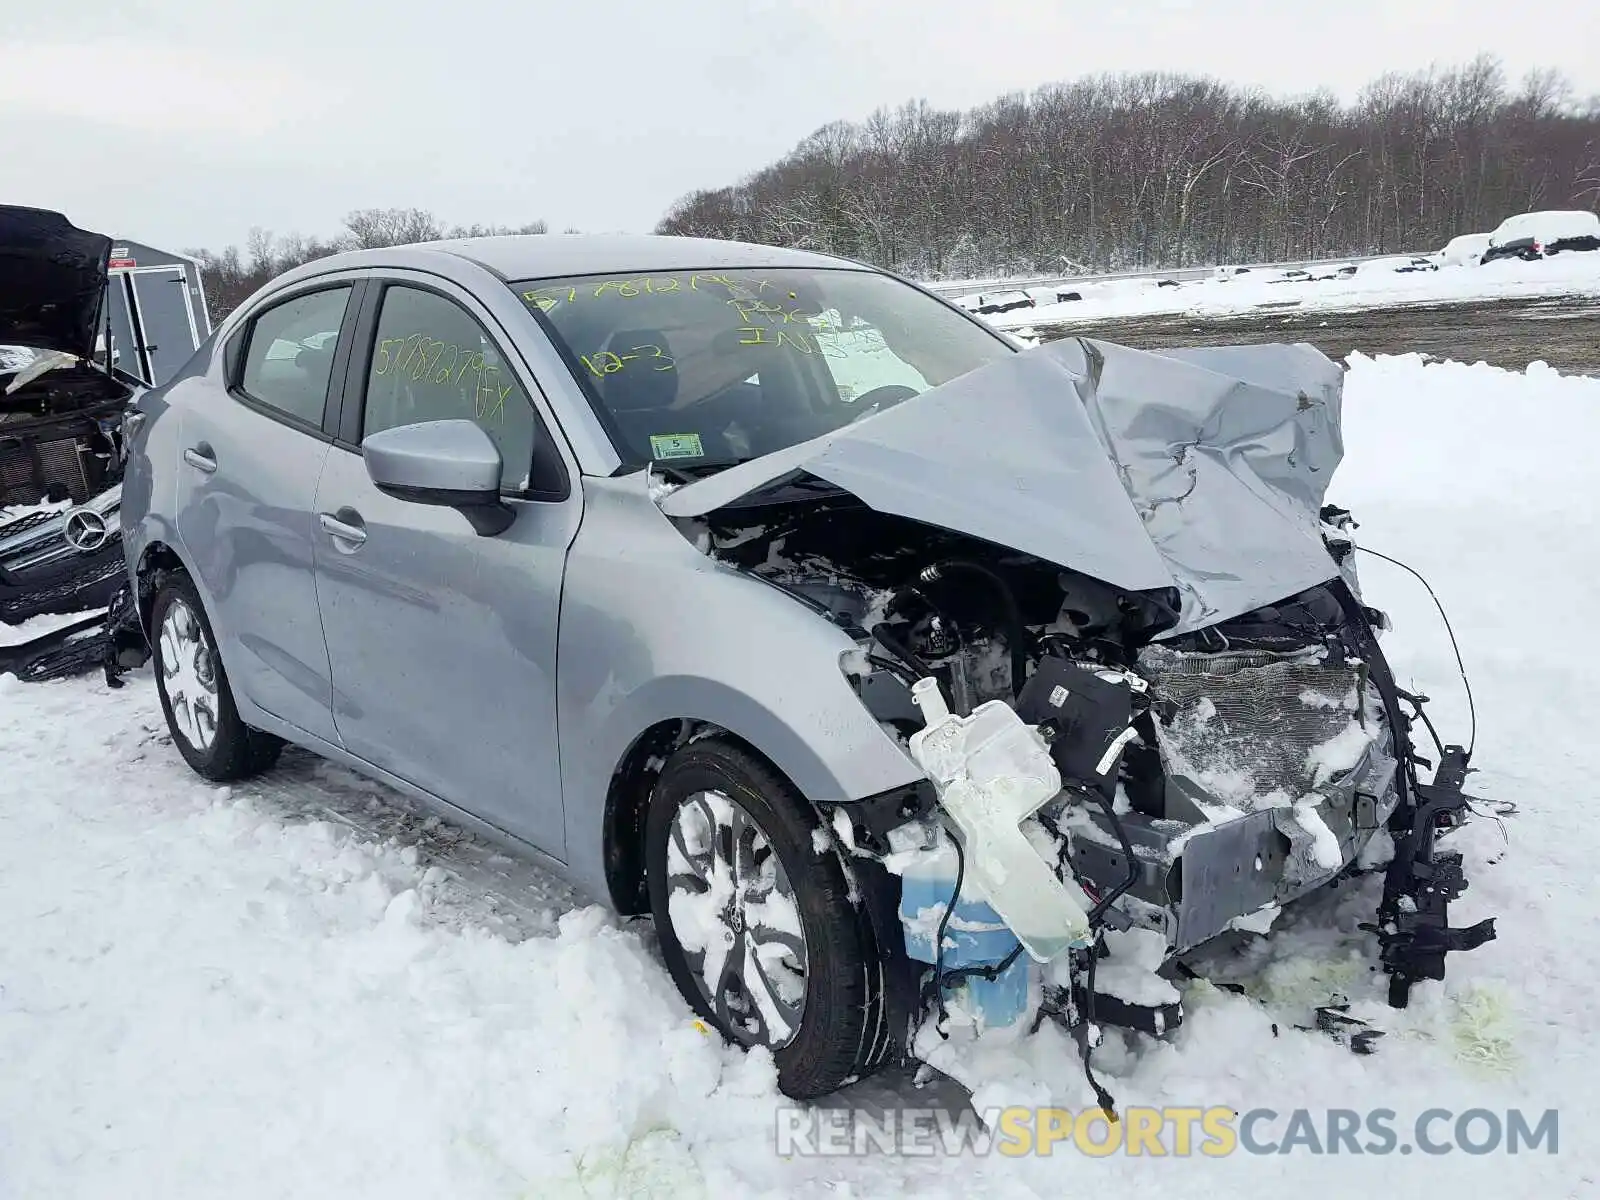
column 1161, row 170
column 1116, row 171
column 233, row 274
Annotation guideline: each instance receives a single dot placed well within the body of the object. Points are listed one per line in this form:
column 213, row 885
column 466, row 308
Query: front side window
column 432, row 361
column 289, row 359
column 721, row 366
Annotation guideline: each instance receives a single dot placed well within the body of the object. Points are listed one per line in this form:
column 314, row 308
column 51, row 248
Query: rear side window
column 289, row 360
column 432, row 361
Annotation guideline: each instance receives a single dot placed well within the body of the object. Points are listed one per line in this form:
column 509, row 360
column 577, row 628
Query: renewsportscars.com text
column 1208, row 1132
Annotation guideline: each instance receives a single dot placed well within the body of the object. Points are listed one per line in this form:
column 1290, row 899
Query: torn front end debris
column 1099, row 597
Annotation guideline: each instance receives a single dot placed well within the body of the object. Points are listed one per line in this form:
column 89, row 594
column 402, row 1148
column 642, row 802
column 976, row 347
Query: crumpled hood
column 1199, row 469
column 52, row 281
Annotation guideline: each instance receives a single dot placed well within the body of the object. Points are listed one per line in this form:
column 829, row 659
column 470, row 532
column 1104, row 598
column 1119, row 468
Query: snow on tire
column 757, row 929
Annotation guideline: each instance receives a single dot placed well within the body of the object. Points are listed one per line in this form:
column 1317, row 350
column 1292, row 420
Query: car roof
column 547, row 255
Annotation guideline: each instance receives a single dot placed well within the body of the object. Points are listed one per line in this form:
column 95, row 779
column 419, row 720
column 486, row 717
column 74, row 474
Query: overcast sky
column 183, row 123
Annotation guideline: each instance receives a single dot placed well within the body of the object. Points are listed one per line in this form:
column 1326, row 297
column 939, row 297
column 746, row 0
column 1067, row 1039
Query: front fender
column 652, row 630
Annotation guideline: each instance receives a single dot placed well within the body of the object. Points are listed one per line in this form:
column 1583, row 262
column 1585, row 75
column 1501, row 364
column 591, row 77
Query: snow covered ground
column 1371, row 286
column 38, row 627
column 298, row 988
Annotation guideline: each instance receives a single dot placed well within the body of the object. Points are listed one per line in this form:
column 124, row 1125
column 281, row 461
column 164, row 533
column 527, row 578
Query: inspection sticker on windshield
column 676, row 445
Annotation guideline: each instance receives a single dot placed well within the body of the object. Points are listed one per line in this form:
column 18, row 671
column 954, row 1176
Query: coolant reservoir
column 992, row 771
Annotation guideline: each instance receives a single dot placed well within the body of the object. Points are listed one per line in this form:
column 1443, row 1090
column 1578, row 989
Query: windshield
column 703, row 367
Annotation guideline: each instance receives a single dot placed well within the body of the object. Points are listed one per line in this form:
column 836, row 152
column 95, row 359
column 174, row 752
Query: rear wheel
column 756, row 925
column 195, row 696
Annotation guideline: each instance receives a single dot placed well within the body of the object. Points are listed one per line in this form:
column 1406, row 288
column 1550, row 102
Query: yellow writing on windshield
column 608, row 362
column 770, row 335
column 752, row 310
column 545, row 299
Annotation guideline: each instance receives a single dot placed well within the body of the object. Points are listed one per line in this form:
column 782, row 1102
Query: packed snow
column 299, row 987
column 40, row 626
column 1465, row 250
column 1574, row 273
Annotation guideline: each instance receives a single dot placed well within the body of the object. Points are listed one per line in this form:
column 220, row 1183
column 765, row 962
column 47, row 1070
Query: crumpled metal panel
column 1200, row 469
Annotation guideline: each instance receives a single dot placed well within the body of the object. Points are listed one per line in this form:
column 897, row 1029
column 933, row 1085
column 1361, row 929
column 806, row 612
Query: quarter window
column 289, row 360
column 431, row 361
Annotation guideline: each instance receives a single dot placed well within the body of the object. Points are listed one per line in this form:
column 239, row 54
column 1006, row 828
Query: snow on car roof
column 1548, row 226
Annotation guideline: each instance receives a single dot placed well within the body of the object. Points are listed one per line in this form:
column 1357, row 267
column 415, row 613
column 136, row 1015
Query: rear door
column 250, row 461
column 443, row 642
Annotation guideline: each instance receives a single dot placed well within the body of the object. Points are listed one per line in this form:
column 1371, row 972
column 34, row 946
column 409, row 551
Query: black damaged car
column 61, row 437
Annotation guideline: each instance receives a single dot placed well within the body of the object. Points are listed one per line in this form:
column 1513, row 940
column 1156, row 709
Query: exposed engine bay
column 1196, row 782
column 60, row 431
column 60, row 496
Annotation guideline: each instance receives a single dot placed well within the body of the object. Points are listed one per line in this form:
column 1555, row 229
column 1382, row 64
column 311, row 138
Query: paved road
column 1563, row 331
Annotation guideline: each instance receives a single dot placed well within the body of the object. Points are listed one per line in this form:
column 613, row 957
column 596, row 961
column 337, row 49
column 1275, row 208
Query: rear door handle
column 199, row 457
column 343, row 530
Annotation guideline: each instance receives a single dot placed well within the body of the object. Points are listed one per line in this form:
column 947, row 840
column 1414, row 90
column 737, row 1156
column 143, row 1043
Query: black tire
column 842, row 1030
column 236, row 751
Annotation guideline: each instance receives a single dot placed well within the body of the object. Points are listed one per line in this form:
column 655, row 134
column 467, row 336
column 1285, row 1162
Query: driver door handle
column 199, row 457
column 342, row 530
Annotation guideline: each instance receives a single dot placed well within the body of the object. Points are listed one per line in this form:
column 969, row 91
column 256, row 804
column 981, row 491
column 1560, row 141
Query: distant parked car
column 1399, row 265
column 1467, row 250
column 1342, row 271
column 1535, row 235
column 996, row 302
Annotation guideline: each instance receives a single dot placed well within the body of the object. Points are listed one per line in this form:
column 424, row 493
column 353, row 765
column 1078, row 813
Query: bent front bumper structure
column 51, row 563
column 60, row 561
column 1196, row 881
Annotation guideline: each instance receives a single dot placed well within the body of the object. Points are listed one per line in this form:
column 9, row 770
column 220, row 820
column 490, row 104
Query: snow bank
column 1465, row 250
column 295, row 988
column 1565, row 274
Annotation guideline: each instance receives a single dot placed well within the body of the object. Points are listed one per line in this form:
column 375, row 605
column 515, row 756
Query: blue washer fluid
column 975, row 936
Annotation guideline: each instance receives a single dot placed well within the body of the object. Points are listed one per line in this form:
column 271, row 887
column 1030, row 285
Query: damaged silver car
column 888, row 667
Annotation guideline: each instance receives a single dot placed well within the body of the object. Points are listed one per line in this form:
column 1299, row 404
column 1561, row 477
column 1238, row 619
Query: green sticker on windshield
column 676, row 445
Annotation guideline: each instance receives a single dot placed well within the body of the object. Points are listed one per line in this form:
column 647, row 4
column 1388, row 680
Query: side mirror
column 450, row 463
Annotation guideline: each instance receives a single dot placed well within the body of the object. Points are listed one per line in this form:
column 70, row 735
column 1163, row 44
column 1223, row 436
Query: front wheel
column 755, row 919
column 195, row 696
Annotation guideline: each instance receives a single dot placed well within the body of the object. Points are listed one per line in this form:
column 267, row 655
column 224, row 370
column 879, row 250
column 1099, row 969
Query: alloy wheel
column 189, row 675
column 733, row 911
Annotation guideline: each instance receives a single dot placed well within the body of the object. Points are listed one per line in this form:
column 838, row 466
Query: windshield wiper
column 690, row 472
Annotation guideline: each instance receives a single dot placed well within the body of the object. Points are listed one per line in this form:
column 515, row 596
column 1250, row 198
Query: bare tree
column 1158, row 169
column 370, row 227
column 231, row 277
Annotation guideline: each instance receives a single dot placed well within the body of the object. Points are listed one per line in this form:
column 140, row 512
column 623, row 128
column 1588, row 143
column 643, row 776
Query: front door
column 443, row 642
column 247, row 482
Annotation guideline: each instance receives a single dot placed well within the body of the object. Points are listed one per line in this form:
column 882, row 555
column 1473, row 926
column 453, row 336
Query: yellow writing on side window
column 417, row 358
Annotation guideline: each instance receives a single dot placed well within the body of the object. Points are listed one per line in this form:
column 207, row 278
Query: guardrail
column 962, row 287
